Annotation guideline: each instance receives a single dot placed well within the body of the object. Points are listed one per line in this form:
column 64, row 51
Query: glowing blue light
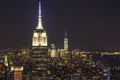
column 39, row 9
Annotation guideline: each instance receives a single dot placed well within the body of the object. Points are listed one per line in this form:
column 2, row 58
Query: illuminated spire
column 39, row 9
column 65, row 33
column 39, row 35
column 39, row 18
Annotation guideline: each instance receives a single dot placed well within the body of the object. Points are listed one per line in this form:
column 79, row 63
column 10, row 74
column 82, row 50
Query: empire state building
column 39, row 35
column 39, row 46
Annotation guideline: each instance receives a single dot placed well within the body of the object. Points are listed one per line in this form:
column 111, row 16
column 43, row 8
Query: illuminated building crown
column 39, row 35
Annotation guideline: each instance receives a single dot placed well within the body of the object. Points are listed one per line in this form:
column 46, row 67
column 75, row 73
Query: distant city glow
column 41, row 62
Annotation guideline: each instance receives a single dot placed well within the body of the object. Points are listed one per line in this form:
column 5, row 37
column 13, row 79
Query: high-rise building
column 39, row 35
column 6, row 61
column 39, row 46
column 18, row 73
column 66, row 42
column 53, row 51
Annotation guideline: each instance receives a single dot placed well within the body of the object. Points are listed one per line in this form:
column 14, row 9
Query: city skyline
column 90, row 24
column 38, row 45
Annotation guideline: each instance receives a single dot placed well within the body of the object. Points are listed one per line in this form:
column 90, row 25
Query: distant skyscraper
column 18, row 73
column 39, row 45
column 53, row 51
column 66, row 42
column 6, row 61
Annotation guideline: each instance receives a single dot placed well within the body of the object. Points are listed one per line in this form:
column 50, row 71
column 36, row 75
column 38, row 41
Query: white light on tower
column 66, row 42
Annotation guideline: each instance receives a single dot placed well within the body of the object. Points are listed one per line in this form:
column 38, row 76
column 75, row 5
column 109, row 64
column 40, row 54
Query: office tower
column 18, row 70
column 6, row 61
column 53, row 51
column 39, row 47
column 66, row 42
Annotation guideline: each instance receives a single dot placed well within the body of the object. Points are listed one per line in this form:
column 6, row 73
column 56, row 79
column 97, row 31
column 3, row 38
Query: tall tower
column 66, row 42
column 6, row 61
column 39, row 46
column 39, row 35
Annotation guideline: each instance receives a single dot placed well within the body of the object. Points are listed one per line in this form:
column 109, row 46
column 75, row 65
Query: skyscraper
column 39, row 46
column 18, row 73
column 6, row 61
column 66, row 42
column 39, row 35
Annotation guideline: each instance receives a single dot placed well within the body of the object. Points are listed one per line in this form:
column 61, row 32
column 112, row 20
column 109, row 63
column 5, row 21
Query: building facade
column 39, row 47
column 18, row 70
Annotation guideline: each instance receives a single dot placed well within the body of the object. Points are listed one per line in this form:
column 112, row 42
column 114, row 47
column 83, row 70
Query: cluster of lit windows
column 39, row 39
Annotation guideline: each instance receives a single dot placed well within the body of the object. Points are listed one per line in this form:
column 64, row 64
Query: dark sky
column 91, row 24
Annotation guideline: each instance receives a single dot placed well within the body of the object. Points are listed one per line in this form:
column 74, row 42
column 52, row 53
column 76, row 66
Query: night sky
column 91, row 24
